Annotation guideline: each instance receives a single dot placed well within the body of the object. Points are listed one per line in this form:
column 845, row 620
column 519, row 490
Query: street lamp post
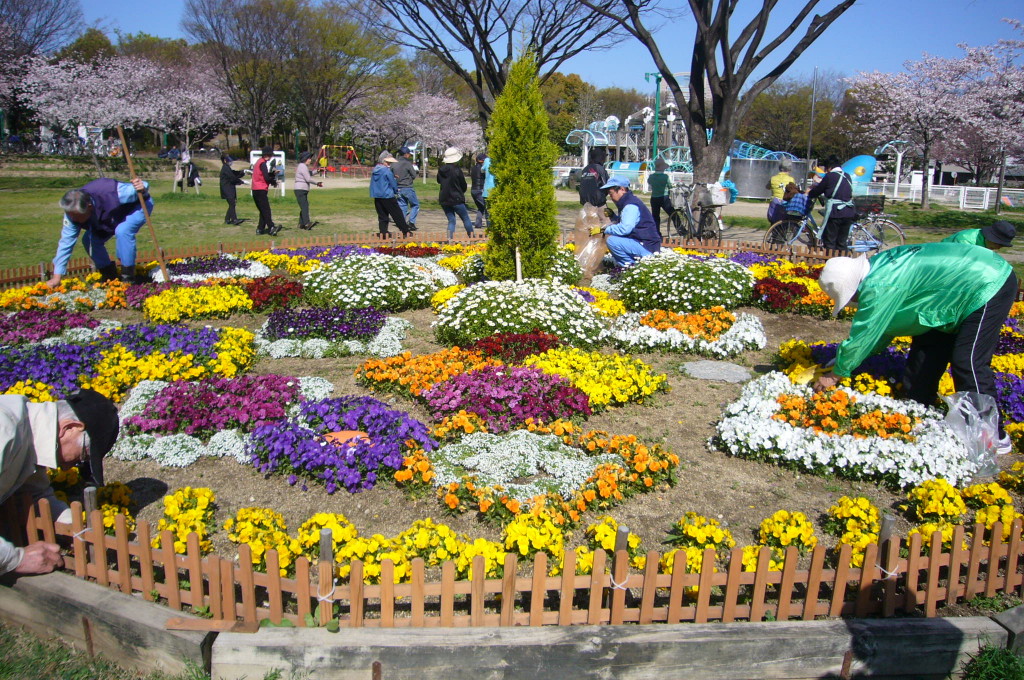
column 657, row 106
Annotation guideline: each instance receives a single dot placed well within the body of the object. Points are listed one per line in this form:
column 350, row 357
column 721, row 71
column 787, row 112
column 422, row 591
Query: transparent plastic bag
column 590, row 250
column 974, row 418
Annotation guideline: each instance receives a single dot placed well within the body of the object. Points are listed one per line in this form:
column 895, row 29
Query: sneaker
column 275, row 230
column 1004, row 446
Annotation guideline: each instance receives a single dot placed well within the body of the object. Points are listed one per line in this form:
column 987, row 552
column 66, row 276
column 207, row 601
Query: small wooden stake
column 142, row 202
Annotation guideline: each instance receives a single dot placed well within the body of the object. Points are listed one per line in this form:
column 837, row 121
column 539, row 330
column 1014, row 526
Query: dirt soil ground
column 739, row 493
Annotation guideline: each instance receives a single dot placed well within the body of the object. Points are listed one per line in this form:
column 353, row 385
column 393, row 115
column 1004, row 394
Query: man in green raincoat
column 996, row 236
column 951, row 297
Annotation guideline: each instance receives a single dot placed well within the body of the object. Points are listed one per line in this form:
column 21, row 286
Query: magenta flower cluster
column 505, row 396
column 296, row 447
column 33, row 325
column 203, row 408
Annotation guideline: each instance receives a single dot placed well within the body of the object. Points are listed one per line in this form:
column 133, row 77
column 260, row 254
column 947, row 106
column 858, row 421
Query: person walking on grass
column 477, row 180
column 303, row 181
column 262, row 179
column 384, row 191
column 405, row 175
column 103, row 208
column 452, row 195
column 229, row 179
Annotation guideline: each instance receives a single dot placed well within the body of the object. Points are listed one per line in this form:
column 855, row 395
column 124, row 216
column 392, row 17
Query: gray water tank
column 751, row 175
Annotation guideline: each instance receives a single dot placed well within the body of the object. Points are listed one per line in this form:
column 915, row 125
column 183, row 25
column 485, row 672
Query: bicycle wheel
column 678, row 222
column 874, row 236
column 787, row 233
column 710, row 226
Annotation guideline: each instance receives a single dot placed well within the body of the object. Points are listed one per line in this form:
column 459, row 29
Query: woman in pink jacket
column 303, row 181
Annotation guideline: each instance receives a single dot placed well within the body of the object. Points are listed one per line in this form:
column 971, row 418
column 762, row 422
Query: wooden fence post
column 325, row 577
column 89, row 501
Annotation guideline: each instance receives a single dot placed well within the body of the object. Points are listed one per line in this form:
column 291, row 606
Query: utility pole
column 810, row 128
column 657, row 107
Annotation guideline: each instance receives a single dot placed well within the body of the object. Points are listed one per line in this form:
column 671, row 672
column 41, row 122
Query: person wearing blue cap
column 405, row 175
column 633, row 233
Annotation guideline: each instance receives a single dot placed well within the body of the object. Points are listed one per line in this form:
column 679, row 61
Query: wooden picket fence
column 919, row 580
column 82, row 266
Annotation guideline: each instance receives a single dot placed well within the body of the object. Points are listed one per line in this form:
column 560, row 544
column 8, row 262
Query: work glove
column 596, row 231
column 610, row 213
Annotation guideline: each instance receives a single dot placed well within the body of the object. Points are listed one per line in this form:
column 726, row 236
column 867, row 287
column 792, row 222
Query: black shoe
column 312, row 224
column 275, row 230
column 108, row 273
column 128, row 275
column 261, row 231
column 412, row 226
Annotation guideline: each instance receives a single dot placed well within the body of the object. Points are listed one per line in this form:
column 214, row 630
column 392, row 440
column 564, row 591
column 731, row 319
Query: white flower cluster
column 78, row 336
column 604, row 283
column 502, row 459
column 181, row 450
column 237, row 268
column 629, row 334
column 680, row 283
column 384, row 282
column 518, row 307
column 72, row 301
column 472, row 270
column 748, row 430
column 387, row 343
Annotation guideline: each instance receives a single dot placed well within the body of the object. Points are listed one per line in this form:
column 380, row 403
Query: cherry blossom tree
column 190, row 103
column 437, row 121
column 922, row 104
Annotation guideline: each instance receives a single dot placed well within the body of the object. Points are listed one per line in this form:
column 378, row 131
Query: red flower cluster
column 411, row 251
column 513, row 348
column 777, row 295
column 273, row 292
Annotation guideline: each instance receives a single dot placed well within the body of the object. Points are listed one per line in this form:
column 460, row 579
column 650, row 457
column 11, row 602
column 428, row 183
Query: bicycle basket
column 868, row 205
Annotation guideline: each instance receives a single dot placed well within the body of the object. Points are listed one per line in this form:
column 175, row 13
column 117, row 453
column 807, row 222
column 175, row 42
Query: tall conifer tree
column 522, row 204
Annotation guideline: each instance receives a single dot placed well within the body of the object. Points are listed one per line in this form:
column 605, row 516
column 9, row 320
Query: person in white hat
column 452, row 195
column 951, row 297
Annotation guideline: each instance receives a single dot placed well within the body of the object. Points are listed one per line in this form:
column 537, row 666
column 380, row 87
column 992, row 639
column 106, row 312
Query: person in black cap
column 262, row 179
column 995, row 236
column 303, row 181
column 405, row 175
column 33, row 436
column 229, row 179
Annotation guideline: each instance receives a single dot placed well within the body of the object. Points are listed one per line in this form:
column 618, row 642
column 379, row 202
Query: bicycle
column 708, row 227
column 872, row 231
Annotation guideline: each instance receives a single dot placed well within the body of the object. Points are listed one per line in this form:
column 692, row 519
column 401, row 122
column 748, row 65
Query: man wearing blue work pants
column 633, row 234
column 103, row 208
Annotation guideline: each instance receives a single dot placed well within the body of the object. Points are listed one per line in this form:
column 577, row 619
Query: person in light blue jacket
column 384, row 191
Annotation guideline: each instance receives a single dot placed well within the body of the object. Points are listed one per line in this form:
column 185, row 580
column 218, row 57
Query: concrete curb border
column 131, row 631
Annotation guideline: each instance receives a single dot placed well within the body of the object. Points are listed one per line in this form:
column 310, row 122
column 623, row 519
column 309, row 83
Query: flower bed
column 202, row 302
column 606, row 379
column 74, row 295
column 381, row 281
column 758, row 425
column 409, row 375
column 518, row 307
column 33, row 325
column 679, row 283
column 644, row 333
column 223, row 266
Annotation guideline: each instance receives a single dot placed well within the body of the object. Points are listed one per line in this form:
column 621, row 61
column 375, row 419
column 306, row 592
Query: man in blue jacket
column 384, row 191
column 633, row 234
column 102, row 208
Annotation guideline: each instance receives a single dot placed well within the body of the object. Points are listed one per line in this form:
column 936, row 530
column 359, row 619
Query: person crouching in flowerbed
column 951, row 297
column 633, row 233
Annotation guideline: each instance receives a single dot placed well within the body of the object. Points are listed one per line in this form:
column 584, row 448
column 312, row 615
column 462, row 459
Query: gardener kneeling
column 951, row 297
column 633, row 233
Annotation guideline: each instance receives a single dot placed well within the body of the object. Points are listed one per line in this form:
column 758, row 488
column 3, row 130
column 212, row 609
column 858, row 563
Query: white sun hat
column 840, row 278
column 452, row 155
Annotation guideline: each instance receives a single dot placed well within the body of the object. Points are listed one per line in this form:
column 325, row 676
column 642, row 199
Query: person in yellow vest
column 779, row 180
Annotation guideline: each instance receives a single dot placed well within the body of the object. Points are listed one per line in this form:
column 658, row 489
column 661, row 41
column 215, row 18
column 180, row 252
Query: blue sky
column 872, row 35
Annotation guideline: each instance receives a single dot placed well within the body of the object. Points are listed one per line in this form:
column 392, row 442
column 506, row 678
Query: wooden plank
column 213, row 574
column 194, row 560
column 932, row 583
column 357, row 602
column 789, row 571
column 974, row 564
column 734, row 572
column 229, row 606
column 247, row 583
column 44, row 514
column 814, row 583
column 1013, row 577
column 274, row 597
column 78, row 545
column 537, row 590
column 387, row 594
column 212, row 625
column 325, row 587
column 124, row 558
column 447, row 594
column 892, row 562
column 757, row 596
column 597, row 579
column 842, row 577
column 100, row 551
column 676, row 589
column 992, row 585
column 567, row 589
column 418, row 597
column 620, row 578
column 146, row 555
column 866, row 584
column 170, row 561
column 508, row 590
column 649, row 587
column 913, row 569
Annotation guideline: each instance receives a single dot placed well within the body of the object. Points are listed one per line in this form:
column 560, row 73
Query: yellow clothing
column 778, row 184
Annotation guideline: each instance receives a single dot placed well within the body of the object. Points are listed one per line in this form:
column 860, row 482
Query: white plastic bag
column 719, row 194
column 974, row 418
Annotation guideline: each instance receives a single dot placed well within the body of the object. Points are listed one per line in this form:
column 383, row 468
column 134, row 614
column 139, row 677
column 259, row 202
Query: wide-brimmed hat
column 386, row 157
column 452, row 155
column 99, row 415
column 1001, row 233
column 616, row 181
column 840, row 278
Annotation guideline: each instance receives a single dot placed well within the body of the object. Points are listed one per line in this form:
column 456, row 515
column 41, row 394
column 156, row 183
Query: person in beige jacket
column 303, row 182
